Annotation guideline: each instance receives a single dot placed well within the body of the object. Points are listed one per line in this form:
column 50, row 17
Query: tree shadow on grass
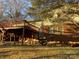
column 58, row 56
column 7, row 53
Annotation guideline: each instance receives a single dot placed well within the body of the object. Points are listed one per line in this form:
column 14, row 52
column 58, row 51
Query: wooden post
column 33, row 40
column 2, row 36
column 23, row 33
column 22, row 41
column 10, row 37
column 19, row 40
column 14, row 39
column 25, row 40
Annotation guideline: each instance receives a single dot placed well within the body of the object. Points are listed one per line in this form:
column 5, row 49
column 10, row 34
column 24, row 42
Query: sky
column 24, row 4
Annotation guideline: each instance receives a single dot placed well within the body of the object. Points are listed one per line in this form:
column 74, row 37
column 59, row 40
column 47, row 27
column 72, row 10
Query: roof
column 9, row 23
column 14, row 24
column 18, row 23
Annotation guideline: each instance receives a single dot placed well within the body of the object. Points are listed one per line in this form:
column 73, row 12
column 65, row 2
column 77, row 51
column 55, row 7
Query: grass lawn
column 23, row 52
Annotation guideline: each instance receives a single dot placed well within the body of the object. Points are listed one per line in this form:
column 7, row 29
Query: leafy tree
column 54, row 10
column 43, row 8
